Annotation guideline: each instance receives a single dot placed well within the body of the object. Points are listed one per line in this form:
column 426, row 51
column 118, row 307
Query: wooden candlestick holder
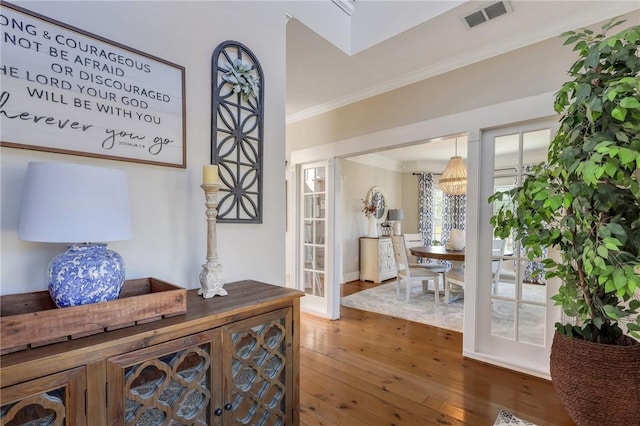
column 211, row 277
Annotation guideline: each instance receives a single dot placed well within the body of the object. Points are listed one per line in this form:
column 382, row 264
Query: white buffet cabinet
column 377, row 262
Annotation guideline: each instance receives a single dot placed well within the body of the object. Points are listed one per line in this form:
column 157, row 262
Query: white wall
column 168, row 204
column 410, row 190
column 357, row 180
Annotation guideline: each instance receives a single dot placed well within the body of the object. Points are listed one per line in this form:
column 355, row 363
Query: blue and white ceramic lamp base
column 85, row 273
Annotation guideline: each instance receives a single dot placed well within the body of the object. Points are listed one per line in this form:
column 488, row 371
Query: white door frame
column 329, row 305
column 478, row 343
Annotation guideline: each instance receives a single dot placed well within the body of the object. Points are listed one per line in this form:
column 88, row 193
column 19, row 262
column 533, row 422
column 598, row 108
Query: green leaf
column 599, row 262
column 629, row 102
column 619, row 281
column 583, row 93
column 597, row 322
column 609, row 286
column 612, row 312
column 588, row 267
column 554, row 202
column 632, row 36
column 612, row 243
column 610, row 168
column 619, row 113
column 593, row 59
column 574, row 37
column 580, row 45
column 603, row 147
column 541, row 195
column 622, row 137
column 616, row 228
column 627, row 156
column 603, row 252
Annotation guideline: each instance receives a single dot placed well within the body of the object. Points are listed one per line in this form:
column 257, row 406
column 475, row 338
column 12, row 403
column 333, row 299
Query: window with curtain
column 425, row 207
column 454, row 214
column 438, row 212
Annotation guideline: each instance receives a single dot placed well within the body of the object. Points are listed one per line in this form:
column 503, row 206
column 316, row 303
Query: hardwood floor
column 368, row 369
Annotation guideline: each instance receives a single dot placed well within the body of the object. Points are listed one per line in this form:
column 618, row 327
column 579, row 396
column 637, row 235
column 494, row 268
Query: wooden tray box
column 32, row 319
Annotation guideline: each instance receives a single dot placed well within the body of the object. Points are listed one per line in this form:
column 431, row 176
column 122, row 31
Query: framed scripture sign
column 68, row 91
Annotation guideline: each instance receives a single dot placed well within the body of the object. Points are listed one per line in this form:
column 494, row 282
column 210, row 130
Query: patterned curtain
column 425, row 207
column 454, row 214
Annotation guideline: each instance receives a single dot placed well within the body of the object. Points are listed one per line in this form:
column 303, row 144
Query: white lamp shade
column 71, row 203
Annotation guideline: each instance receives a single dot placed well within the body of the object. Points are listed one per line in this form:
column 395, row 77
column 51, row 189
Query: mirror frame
column 381, row 212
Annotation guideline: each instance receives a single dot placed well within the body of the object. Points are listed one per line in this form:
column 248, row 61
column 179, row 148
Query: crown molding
column 379, row 161
column 347, row 6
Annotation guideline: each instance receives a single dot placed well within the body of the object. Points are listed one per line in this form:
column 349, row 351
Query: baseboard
column 351, row 276
column 529, row 370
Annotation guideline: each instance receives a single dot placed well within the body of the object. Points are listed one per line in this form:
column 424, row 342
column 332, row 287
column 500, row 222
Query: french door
column 316, row 223
column 515, row 317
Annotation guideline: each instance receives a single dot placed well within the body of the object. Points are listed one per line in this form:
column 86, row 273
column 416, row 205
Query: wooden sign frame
column 68, row 91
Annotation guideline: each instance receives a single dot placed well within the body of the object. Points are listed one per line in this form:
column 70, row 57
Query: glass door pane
column 314, row 230
column 518, row 297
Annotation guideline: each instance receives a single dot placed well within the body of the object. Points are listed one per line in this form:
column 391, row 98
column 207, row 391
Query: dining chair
column 411, row 275
column 415, row 240
column 497, row 252
column 453, row 285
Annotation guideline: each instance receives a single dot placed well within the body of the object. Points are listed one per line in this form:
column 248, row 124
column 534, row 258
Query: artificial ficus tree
column 585, row 200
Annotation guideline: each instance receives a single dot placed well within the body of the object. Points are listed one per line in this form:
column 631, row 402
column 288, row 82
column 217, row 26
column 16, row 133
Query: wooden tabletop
column 438, row 252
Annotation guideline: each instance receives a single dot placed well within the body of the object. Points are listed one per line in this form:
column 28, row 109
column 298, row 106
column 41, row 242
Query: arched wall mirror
column 377, row 195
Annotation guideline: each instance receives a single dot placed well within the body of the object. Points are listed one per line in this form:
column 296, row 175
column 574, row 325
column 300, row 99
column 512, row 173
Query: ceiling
column 321, row 76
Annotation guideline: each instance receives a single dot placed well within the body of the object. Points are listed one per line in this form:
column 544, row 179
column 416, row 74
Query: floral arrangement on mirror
column 369, row 207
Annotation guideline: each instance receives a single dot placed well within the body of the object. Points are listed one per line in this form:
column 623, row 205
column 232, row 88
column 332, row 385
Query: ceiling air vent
column 485, row 14
column 475, row 19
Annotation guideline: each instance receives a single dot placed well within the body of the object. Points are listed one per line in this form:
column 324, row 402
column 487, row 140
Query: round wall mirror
column 377, row 195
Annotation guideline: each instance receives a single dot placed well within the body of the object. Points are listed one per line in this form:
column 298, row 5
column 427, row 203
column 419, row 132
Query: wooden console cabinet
column 377, row 262
column 227, row 360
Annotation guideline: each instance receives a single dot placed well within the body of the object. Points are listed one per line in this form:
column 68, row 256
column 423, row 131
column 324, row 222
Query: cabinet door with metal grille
column 259, row 374
column 54, row 400
column 166, row 384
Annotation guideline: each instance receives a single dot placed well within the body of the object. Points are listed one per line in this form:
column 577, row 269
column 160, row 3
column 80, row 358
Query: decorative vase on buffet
column 373, row 227
column 456, row 239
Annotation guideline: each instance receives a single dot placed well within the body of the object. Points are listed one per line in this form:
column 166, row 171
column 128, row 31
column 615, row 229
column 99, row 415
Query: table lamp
column 84, row 206
column 396, row 216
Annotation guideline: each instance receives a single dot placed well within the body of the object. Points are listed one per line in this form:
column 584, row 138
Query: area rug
column 506, row 418
column 421, row 307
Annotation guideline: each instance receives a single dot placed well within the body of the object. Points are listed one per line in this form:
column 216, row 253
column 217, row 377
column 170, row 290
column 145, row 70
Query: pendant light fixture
column 454, row 177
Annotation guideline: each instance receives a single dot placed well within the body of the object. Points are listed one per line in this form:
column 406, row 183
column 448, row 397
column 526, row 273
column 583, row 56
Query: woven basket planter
column 598, row 384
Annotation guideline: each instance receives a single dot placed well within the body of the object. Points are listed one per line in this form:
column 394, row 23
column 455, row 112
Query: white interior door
column 515, row 317
column 316, row 252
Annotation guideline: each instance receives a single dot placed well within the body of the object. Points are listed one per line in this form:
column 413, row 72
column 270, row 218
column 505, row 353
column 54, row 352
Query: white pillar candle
column 210, row 174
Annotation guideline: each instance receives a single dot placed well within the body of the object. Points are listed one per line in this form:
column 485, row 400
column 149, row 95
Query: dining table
column 439, row 253
column 455, row 275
